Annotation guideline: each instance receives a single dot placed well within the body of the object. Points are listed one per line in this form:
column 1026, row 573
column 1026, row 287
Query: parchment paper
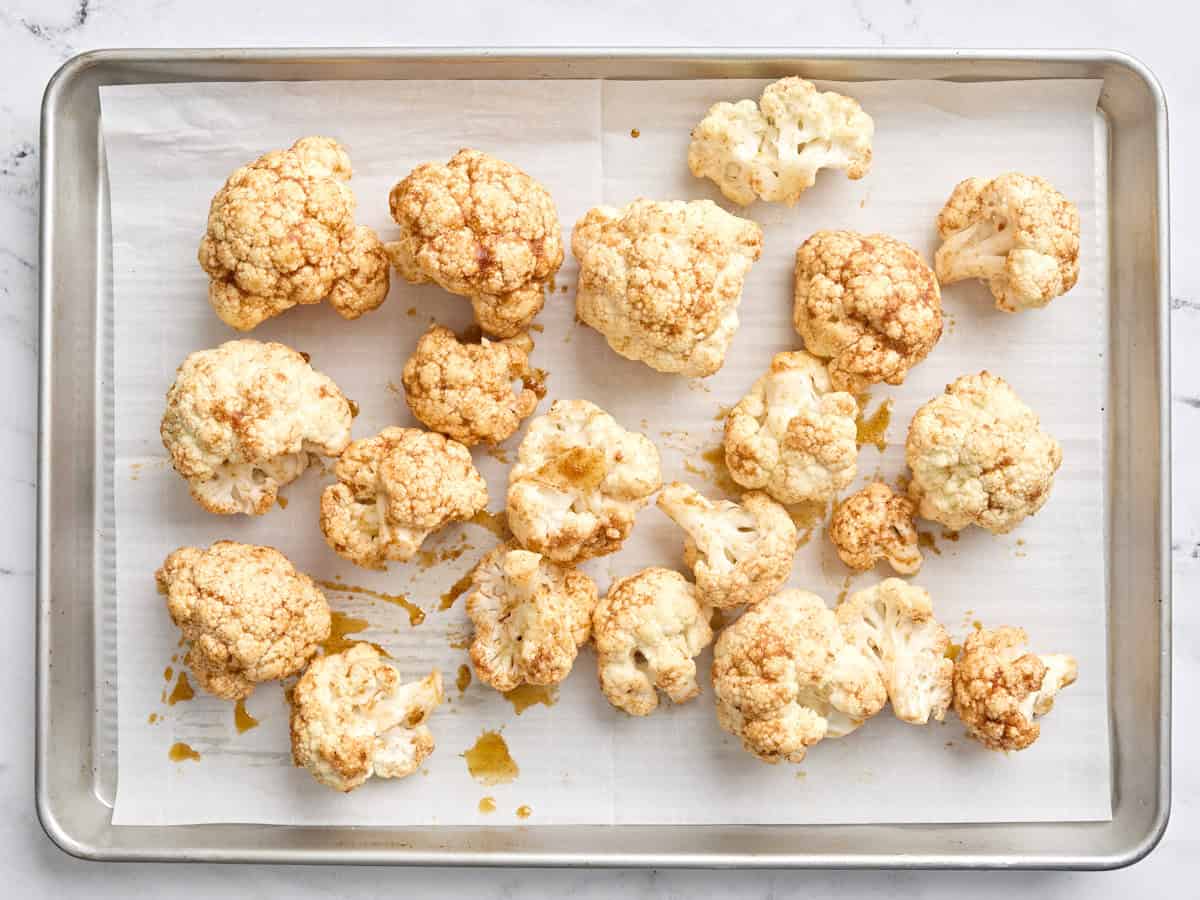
column 170, row 147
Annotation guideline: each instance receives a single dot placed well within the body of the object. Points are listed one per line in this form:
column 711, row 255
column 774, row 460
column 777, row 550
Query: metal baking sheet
column 75, row 506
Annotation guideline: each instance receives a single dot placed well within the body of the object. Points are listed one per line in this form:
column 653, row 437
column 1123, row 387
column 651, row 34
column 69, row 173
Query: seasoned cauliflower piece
column 979, row 456
column 792, row 435
column 648, row 630
column 245, row 612
column 999, row 687
column 773, row 149
column 396, row 489
column 892, row 624
column 480, row 228
column 579, row 480
column 281, row 232
column 785, row 678
column 868, row 304
column 1017, row 233
column 242, row 420
column 739, row 553
column 874, row 524
column 465, row 390
column 531, row 616
column 352, row 718
column 662, row 280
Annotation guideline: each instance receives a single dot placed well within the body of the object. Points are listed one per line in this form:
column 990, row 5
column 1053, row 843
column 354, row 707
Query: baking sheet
column 169, row 147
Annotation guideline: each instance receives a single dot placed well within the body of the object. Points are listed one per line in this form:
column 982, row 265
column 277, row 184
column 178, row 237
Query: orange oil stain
column 489, row 761
column 181, row 752
column 528, row 695
column 182, row 691
column 416, row 615
column 242, row 720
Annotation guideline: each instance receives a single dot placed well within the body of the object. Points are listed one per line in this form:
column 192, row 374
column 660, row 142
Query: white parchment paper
column 169, row 147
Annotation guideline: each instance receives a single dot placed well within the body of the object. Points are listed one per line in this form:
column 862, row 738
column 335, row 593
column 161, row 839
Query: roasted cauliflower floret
column 1017, row 233
column 738, row 552
column 999, row 687
column 892, row 624
column 579, row 480
column 396, row 489
column 531, row 616
column 352, row 718
column 868, row 304
column 480, row 228
column 242, row 420
column 873, row 524
column 785, row 678
column 979, row 456
column 281, row 232
column 648, row 630
column 773, row 149
column 793, row 436
column 661, row 280
column 246, row 613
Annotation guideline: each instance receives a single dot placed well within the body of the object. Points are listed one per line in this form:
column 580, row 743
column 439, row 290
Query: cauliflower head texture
column 873, row 524
column 773, row 149
column 648, row 630
column 662, row 280
column 579, row 481
column 396, row 489
column 246, row 613
column 867, row 303
column 1017, row 233
column 480, row 228
column 352, row 718
column 979, row 456
column 793, row 436
column 740, row 553
column 242, row 420
column 281, row 232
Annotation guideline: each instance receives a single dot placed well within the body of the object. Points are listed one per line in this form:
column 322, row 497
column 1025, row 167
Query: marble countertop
column 38, row 35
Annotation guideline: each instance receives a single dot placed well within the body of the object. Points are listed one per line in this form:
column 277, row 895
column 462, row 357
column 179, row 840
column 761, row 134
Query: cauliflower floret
column 999, row 687
column 868, row 304
column 1017, row 233
column 245, row 612
column 396, row 489
column 792, row 435
column 892, row 624
column 531, row 616
column 773, row 149
column 281, row 232
column 648, row 630
column 352, row 718
column 979, row 456
column 480, row 228
column 242, row 419
column 579, row 480
column 874, row 524
column 739, row 553
column 662, row 280
column 785, row 678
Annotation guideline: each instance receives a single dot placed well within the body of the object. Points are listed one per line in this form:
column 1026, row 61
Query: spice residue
column 180, row 752
column 499, row 454
column 723, row 412
column 182, row 690
column 845, row 588
column 806, row 516
column 717, row 620
column 528, row 695
column 524, row 811
column 489, row 761
column 719, row 472
column 977, row 625
column 412, row 310
column 952, row 651
column 393, row 388
column 456, row 590
column 635, row 133
column 953, row 535
column 416, row 615
column 459, row 640
column 168, row 673
column 242, row 720
column 152, row 719
column 487, row 805
column 463, row 681
column 925, row 540
column 873, row 429
column 496, row 523
column 538, row 326
column 341, row 626
column 282, row 501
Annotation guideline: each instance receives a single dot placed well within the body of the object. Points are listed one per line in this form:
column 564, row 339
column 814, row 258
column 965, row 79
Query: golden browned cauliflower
column 352, row 719
column 999, row 687
column 579, row 480
column 480, row 228
column 979, row 456
column 785, row 678
column 793, row 436
column 281, row 232
column 246, row 613
column 874, row 524
column 661, row 280
column 867, row 303
column 739, row 552
column 243, row 419
column 1017, row 233
column 531, row 616
column 396, row 489
column 648, row 630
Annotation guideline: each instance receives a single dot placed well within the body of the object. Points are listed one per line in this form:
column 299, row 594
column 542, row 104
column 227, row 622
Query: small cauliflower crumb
column 873, row 524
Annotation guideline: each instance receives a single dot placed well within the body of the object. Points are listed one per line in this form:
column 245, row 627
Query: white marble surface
column 37, row 35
